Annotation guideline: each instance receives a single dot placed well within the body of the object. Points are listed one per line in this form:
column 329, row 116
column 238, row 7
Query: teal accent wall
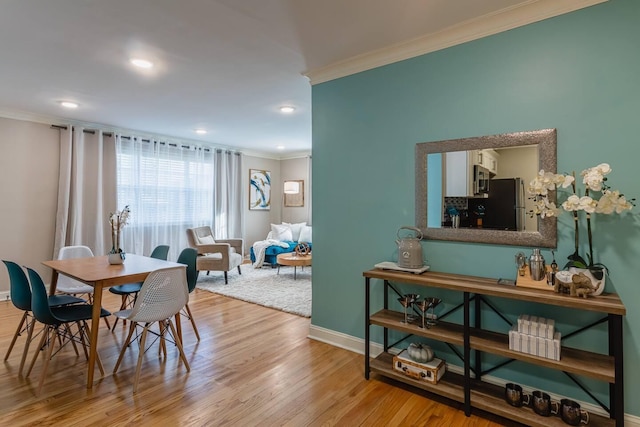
column 578, row 73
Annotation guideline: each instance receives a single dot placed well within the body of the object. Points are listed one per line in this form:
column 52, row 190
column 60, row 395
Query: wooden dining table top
column 94, row 270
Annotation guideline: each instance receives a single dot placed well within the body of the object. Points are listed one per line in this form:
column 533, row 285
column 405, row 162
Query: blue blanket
column 272, row 253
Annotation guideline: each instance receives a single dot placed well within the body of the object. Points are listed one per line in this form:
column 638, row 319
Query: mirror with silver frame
column 461, row 195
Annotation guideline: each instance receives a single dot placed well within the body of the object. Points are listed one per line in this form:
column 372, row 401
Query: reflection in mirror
column 474, row 189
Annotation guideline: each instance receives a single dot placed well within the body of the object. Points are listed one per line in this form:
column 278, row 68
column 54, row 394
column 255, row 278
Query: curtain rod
column 170, row 144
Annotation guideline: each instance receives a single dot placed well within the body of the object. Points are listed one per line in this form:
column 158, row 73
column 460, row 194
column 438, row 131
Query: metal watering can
column 410, row 249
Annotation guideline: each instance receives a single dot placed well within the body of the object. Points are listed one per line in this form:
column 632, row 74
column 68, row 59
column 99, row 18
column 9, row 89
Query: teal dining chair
column 56, row 321
column 129, row 291
column 188, row 257
column 21, row 299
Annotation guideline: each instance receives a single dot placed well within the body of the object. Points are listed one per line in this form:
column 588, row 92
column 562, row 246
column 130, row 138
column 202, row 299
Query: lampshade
column 291, row 187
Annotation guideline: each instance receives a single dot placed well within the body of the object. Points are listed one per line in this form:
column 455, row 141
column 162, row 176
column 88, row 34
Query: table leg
column 295, row 269
column 54, row 282
column 95, row 324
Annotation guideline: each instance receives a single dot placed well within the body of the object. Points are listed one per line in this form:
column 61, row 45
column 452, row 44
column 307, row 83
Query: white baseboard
column 356, row 345
column 5, row 296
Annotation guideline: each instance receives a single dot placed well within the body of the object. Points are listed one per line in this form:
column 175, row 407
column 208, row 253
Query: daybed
column 281, row 239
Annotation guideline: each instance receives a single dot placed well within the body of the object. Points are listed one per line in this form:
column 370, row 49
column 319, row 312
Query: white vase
column 597, row 283
column 117, row 258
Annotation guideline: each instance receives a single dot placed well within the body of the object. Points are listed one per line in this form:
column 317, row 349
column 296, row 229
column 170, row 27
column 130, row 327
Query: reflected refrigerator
column 504, row 205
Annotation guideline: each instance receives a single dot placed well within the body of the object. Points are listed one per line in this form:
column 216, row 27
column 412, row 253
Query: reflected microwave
column 480, row 180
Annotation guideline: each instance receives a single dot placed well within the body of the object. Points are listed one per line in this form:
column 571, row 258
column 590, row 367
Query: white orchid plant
column 594, row 180
column 118, row 220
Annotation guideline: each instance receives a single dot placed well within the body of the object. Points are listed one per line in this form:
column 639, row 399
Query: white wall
column 257, row 224
column 28, row 194
column 296, row 170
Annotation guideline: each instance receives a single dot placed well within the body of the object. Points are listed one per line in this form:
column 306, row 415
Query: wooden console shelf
column 474, row 392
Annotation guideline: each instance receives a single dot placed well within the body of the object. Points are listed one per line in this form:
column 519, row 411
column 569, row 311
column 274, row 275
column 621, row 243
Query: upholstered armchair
column 215, row 254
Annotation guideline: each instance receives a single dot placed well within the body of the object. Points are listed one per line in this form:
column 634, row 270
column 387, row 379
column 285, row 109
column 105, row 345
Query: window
column 165, row 184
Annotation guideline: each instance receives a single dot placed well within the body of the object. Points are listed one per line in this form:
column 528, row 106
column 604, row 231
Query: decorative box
column 548, row 348
column 430, row 372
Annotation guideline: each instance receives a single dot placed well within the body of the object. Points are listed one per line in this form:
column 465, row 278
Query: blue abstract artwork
column 259, row 190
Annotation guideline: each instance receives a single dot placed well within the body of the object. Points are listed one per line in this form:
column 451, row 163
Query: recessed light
column 287, row 109
column 141, row 63
column 69, row 104
column 200, row 131
column 280, row 147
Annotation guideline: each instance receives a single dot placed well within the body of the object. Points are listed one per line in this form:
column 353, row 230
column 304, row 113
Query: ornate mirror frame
column 546, row 236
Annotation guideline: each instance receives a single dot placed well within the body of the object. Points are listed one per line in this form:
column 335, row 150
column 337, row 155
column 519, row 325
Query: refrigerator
column 504, row 205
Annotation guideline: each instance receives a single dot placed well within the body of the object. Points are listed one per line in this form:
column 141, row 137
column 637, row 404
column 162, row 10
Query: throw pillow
column 295, row 229
column 281, row 232
column 305, row 234
column 207, row 240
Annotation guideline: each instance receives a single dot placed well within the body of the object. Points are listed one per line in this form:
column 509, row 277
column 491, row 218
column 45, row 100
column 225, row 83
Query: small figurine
column 579, row 285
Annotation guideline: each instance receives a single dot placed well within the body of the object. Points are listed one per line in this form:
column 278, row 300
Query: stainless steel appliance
column 481, row 177
column 504, row 205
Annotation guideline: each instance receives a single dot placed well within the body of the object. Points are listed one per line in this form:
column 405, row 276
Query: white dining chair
column 68, row 285
column 163, row 294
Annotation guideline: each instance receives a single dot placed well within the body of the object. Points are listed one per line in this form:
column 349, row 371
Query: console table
column 473, row 392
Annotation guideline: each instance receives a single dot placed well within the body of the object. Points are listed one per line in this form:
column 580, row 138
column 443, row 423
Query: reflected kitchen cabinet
column 458, row 174
column 489, row 160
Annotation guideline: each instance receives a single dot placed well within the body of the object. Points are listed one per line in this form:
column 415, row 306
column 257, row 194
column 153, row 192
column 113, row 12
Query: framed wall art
column 259, row 190
column 294, row 199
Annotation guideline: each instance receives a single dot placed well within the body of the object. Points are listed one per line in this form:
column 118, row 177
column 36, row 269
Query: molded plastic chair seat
column 53, row 319
column 21, row 299
column 129, row 291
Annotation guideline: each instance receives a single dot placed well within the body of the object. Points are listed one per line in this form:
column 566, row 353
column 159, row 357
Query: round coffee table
column 291, row 259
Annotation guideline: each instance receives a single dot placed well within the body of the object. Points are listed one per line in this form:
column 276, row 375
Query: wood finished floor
column 253, row 366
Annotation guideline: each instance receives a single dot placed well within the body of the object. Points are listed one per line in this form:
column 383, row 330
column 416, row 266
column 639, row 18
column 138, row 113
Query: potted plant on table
column 117, row 220
column 609, row 202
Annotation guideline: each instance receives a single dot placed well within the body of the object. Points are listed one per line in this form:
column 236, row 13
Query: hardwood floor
column 253, row 366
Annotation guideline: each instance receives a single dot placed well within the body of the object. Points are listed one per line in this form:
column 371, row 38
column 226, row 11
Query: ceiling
column 221, row 65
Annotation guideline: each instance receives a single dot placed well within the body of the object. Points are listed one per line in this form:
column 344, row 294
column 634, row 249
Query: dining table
column 97, row 272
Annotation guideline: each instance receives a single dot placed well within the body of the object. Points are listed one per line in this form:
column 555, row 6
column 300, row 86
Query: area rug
column 264, row 286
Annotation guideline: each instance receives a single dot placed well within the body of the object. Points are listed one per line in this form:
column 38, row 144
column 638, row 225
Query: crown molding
column 61, row 121
column 477, row 28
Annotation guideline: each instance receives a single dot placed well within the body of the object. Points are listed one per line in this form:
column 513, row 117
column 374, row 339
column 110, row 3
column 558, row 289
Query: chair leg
column 179, row 344
column 132, row 328
column 30, row 327
column 15, row 336
column 51, row 343
column 226, row 279
column 193, row 321
column 123, row 305
column 45, row 331
column 140, row 356
column 70, row 334
column 239, row 271
column 162, row 347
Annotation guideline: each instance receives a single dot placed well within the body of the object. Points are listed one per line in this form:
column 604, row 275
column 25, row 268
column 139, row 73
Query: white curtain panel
column 86, row 189
column 168, row 187
column 229, row 215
